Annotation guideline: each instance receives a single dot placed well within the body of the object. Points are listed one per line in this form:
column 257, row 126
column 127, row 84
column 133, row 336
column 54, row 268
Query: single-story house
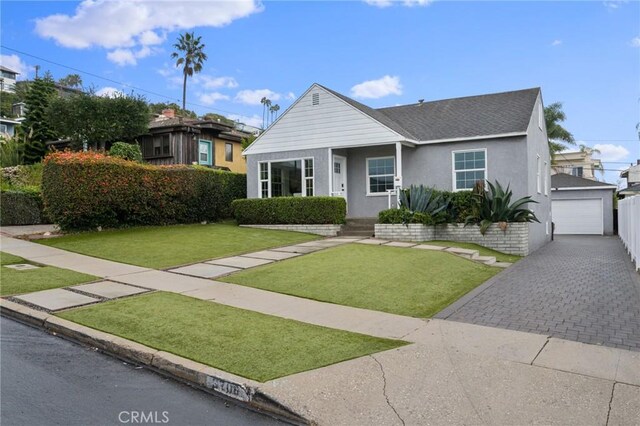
column 329, row 144
column 581, row 206
column 179, row 140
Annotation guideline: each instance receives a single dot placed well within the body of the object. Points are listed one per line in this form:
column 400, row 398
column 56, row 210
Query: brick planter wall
column 515, row 240
column 323, row 230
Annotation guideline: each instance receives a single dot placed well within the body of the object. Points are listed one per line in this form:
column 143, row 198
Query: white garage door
column 577, row 216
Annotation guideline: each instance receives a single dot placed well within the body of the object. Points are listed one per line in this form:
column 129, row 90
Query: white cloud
column 556, row 42
column 119, row 24
column 613, row 4
column 109, row 92
column 210, row 82
column 374, row 89
column 611, row 152
column 290, row 96
column 635, row 42
column 254, row 120
column 212, row 98
column 13, row 62
column 386, row 3
column 253, row 97
column 122, row 57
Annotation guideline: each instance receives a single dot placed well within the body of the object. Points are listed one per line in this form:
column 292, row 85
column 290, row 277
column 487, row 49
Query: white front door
column 339, row 176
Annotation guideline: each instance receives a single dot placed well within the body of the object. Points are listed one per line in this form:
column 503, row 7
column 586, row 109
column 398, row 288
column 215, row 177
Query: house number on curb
column 227, row 388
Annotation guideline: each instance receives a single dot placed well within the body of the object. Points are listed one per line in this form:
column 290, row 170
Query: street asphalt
column 45, row 380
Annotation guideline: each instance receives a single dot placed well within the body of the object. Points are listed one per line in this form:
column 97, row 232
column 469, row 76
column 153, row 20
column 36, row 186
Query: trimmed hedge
column 21, row 208
column 290, row 211
column 86, row 190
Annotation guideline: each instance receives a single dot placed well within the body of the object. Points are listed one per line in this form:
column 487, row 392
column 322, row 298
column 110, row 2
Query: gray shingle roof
column 472, row 116
column 563, row 180
column 468, row 117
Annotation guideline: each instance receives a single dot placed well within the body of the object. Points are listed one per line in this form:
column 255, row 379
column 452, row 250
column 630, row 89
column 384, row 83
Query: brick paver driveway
column 580, row 288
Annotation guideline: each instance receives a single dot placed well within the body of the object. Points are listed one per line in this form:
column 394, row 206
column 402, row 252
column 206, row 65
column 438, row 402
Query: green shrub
column 22, row 177
column 463, row 205
column 406, row 216
column 87, row 190
column 128, row 151
column 23, row 207
column 290, row 210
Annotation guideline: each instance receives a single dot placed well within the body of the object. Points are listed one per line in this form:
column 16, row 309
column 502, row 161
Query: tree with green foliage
column 94, row 121
column 558, row 136
column 157, row 108
column 71, row 80
column 217, row 117
column 248, row 141
column 190, row 56
column 38, row 125
column 128, row 151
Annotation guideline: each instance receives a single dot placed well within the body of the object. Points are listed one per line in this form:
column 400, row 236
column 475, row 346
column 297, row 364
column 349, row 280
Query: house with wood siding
column 180, row 140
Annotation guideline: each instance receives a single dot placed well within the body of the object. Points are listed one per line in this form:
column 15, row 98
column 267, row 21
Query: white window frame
column 546, row 178
column 454, row 183
column 538, row 174
column 303, row 171
column 386, row 157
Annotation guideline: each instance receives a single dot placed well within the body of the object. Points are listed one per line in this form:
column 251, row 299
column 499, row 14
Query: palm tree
column 193, row 56
column 263, row 101
column 267, row 104
column 553, row 116
column 276, row 108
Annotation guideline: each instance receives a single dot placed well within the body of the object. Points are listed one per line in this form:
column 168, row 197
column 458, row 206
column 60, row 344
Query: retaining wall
column 323, row 230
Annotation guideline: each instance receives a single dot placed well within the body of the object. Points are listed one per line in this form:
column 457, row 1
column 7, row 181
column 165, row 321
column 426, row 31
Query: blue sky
column 584, row 54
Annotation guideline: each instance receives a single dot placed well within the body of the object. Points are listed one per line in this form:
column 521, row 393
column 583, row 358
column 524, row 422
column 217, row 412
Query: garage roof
column 565, row 181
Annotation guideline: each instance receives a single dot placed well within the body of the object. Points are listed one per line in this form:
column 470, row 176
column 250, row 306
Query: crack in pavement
column 384, row 390
column 613, row 388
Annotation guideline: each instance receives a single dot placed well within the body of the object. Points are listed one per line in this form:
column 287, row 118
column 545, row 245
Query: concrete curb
column 220, row 383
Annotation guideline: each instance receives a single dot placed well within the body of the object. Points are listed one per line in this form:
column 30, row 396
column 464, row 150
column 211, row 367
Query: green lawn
column 484, row 251
column 44, row 278
column 253, row 345
column 164, row 246
column 403, row 281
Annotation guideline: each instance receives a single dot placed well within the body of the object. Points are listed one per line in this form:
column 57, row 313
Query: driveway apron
column 580, row 288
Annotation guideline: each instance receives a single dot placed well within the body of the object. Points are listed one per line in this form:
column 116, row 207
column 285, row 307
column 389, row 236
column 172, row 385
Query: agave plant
column 495, row 206
column 425, row 201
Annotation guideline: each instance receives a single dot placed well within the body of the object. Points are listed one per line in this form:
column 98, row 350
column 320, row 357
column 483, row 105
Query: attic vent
column 315, row 99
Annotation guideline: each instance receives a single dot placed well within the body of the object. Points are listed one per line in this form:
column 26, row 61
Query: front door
column 339, row 176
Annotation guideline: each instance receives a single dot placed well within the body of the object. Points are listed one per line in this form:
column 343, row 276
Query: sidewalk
column 453, row 373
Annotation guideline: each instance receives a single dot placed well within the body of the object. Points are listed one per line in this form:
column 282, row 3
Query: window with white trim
column 264, row 180
column 380, row 174
column 546, row 178
column 468, row 168
column 577, row 171
column 538, row 174
column 290, row 178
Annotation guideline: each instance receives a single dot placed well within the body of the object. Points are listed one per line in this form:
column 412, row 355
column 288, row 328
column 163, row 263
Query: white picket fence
column 629, row 226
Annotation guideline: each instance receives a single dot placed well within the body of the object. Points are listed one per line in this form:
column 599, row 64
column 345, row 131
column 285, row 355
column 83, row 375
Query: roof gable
column 322, row 118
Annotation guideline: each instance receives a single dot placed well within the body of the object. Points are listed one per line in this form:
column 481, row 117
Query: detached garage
column 581, row 206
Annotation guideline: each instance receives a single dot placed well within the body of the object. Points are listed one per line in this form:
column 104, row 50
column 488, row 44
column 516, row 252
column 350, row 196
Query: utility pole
column 37, row 67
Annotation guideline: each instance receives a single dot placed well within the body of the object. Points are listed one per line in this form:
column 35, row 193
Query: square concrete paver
column 372, row 241
column 239, row 262
column 271, row 255
column 109, row 289
column 205, row 270
column 428, row 247
column 625, row 406
column 56, row 299
column 21, row 266
column 400, row 244
column 580, row 358
column 298, row 249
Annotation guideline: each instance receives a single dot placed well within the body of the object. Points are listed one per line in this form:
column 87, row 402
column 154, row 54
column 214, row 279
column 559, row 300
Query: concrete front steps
column 475, row 256
column 358, row 227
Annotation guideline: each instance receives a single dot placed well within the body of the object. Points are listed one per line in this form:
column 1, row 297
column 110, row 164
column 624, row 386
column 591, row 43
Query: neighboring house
column 8, row 79
column 178, row 140
column 328, row 144
column 8, row 127
column 632, row 175
column 578, row 164
column 581, row 206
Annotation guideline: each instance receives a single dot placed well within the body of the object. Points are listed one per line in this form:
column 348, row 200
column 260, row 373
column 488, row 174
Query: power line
column 115, row 81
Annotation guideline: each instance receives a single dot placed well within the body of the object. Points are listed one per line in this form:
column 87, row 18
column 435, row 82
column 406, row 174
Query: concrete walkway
column 581, row 288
